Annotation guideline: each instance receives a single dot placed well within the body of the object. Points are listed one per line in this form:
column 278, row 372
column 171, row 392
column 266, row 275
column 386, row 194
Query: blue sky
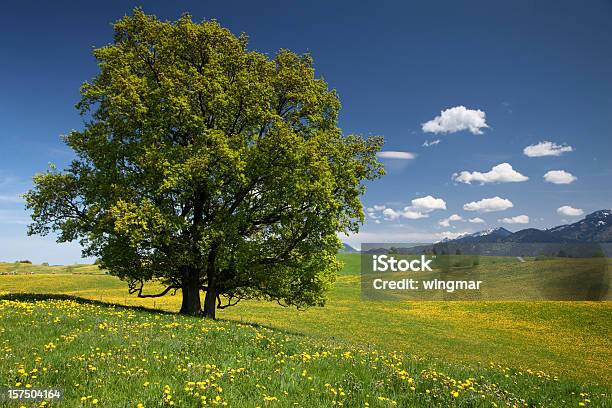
column 525, row 73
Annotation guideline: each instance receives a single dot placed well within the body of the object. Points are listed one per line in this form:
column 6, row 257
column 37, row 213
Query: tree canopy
column 207, row 166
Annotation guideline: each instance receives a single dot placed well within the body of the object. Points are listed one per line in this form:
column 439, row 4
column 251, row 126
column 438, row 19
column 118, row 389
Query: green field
column 551, row 352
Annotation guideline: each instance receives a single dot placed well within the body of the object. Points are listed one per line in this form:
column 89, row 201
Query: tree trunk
column 210, row 301
column 191, row 295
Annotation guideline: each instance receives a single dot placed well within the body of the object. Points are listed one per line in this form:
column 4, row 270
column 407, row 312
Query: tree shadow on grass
column 37, row 297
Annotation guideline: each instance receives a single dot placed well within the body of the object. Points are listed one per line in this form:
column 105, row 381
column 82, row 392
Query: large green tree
column 209, row 167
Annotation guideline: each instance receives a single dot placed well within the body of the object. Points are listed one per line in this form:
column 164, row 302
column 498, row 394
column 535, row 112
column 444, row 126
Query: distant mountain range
column 591, row 236
column 595, row 227
column 488, row 235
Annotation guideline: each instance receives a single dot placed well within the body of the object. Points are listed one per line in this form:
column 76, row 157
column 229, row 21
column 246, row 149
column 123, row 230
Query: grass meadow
column 351, row 353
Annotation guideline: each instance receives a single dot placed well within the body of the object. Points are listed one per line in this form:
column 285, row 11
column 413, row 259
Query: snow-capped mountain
column 595, row 227
column 489, row 235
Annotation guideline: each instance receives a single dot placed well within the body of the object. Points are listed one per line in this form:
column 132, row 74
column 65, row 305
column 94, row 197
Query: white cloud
column 456, row 119
column 502, row 173
column 546, row 149
column 374, row 210
column 489, row 205
column 519, row 219
column 411, row 214
column 428, row 203
column 423, row 205
column 476, row 220
column 446, row 221
column 390, row 214
column 568, row 211
column 419, row 209
column 432, row 143
column 559, row 177
column 388, row 154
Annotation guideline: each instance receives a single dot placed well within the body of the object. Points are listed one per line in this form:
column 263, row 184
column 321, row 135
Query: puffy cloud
column 373, row 212
column 388, row 154
column 390, row 214
column 419, row 209
column 446, row 221
column 559, row 177
column 432, row 143
column 546, row 149
column 519, row 219
column 423, row 205
column 502, row 173
column 476, row 220
column 456, row 119
column 412, row 214
column 489, row 205
column 428, row 203
column 568, row 211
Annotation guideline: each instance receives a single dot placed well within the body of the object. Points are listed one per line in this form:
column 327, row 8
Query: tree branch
column 133, row 289
column 229, row 302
